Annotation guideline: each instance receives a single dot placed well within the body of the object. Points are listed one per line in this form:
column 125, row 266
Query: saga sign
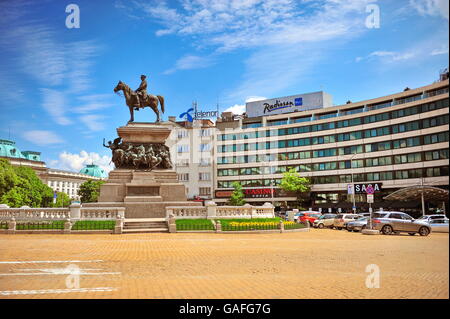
column 368, row 188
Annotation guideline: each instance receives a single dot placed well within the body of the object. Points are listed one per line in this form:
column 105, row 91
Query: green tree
column 237, row 197
column 293, row 182
column 21, row 186
column 62, row 200
column 89, row 191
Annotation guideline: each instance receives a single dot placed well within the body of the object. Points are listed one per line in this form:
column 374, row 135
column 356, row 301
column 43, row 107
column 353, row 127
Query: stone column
column 267, row 204
column 172, row 224
column 250, row 210
column 211, row 210
column 121, row 212
column 218, row 227
column 281, row 226
column 119, row 225
column 67, row 227
column 12, row 226
column 75, row 211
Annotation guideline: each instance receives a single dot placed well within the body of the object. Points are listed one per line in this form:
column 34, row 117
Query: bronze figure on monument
column 138, row 99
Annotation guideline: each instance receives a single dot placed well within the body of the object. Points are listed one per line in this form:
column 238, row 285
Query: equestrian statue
column 139, row 99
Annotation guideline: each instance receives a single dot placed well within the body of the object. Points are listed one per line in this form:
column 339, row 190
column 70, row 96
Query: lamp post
column 353, row 184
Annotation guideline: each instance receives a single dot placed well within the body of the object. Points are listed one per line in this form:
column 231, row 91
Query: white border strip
column 55, row 291
column 50, row 261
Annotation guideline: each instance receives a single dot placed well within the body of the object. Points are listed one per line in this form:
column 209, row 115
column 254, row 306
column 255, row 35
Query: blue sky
column 56, row 83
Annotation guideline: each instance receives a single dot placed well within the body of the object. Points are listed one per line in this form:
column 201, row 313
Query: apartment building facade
column 191, row 147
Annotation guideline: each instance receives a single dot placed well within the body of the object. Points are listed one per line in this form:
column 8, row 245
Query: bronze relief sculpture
column 138, row 99
column 139, row 156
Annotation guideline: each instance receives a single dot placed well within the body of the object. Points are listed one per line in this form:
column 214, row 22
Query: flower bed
column 240, row 224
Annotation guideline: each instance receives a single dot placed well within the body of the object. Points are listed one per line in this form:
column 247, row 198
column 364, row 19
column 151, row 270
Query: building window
column 205, row 162
column 183, row 148
column 205, row 132
column 205, row 191
column 184, row 177
column 205, row 147
column 182, row 133
column 204, row 176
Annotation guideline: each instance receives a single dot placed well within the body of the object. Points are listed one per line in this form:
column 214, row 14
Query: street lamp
column 353, row 183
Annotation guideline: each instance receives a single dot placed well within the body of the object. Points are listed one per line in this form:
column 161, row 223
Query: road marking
column 50, row 261
column 54, row 291
column 45, row 273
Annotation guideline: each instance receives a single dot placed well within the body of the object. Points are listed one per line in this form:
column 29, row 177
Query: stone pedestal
column 143, row 193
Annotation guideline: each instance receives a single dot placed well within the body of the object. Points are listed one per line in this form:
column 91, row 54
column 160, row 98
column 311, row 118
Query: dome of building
column 9, row 149
column 94, row 170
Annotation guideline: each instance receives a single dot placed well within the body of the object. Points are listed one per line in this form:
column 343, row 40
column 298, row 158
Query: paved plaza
column 315, row 264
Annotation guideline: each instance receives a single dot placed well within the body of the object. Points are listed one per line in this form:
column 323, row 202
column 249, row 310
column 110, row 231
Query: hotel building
column 393, row 141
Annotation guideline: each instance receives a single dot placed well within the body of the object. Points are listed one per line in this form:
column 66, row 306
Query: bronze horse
column 130, row 98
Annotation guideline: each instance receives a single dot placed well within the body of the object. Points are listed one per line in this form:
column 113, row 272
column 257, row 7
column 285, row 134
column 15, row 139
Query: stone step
column 144, row 225
column 146, row 230
column 133, row 220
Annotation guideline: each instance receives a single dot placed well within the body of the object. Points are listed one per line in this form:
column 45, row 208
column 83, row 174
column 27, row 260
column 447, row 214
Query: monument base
column 144, row 194
column 143, row 190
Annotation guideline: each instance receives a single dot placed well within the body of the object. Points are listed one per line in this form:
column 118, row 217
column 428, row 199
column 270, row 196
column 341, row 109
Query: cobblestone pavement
column 315, row 264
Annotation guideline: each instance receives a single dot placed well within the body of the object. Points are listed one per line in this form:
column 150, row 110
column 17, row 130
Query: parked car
column 397, row 222
column 364, row 214
column 439, row 225
column 430, row 218
column 307, row 216
column 341, row 220
column 358, row 224
column 301, row 214
column 325, row 220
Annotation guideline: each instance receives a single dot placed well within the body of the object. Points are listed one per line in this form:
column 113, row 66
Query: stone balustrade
column 211, row 210
column 186, row 212
column 74, row 212
column 26, row 213
column 99, row 213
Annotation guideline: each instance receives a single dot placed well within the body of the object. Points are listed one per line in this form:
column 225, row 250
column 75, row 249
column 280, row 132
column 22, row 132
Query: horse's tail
column 161, row 101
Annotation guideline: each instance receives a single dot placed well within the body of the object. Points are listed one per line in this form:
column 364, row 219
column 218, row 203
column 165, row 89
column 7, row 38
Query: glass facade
column 404, row 143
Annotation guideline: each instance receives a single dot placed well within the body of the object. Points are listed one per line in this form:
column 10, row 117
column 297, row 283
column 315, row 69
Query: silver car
column 430, row 218
column 357, row 225
column 439, row 225
column 398, row 222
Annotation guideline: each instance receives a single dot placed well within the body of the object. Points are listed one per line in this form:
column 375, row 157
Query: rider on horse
column 141, row 93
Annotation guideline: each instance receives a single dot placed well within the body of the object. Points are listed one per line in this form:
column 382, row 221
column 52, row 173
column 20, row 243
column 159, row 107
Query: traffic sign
column 369, row 198
column 370, row 189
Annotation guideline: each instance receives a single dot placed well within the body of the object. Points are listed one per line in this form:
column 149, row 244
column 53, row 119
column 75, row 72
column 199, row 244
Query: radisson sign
column 287, row 104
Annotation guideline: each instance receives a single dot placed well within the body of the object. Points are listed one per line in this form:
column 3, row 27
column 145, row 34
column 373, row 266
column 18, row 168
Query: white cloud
column 189, row 62
column 431, row 7
column 255, row 98
column 93, row 122
column 75, row 162
column 236, row 109
column 441, row 50
column 61, row 70
column 286, row 34
column 54, row 102
column 256, row 23
column 92, row 102
column 41, row 137
column 240, row 108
